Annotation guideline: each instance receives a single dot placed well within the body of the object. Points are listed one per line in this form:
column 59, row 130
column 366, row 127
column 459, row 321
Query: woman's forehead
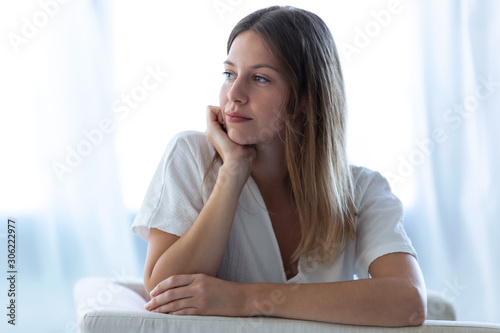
column 250, row 48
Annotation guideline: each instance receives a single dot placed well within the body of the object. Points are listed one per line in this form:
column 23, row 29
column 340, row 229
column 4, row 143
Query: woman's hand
column 198, row 294
column 237, row 157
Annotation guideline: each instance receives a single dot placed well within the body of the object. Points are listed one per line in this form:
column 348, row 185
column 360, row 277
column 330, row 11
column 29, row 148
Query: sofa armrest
column 438, row 308
column 123, row 321
column 111, row 305
column 96, row 294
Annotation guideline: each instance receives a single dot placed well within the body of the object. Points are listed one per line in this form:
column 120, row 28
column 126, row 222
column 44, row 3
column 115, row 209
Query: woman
column 262, row 215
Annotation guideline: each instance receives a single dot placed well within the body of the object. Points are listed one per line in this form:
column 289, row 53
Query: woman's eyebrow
column 230, row 63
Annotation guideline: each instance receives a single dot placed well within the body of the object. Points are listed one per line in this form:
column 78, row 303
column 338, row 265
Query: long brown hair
column 316, row 155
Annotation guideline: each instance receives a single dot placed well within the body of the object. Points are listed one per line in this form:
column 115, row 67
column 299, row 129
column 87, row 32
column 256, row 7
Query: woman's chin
column 238, row 137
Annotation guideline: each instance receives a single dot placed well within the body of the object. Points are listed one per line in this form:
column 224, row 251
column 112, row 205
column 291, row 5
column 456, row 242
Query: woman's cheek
column 223, row 97
column 223, row 114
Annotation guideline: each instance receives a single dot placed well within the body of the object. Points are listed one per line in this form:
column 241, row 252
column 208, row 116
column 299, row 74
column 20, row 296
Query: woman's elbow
column 408, row 307
column 417, row 311
column 150, row 281
column 417, row 317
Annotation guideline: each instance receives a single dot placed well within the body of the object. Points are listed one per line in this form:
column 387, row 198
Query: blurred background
column 92, row 91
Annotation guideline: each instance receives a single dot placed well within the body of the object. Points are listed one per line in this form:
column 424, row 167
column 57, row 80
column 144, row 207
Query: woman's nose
column 238, row 92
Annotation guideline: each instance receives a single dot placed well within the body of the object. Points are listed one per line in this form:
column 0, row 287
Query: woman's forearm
column 201, row 248
column 387, row 301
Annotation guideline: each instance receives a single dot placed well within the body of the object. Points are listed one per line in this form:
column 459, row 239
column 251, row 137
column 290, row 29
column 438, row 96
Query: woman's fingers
column 235, row 156
column 220, row 119
column 171, row 300
column 215, row 133
column 170, row 290
column 197, row 294
column 214, row 116
column 172, row 282
column 178, row 306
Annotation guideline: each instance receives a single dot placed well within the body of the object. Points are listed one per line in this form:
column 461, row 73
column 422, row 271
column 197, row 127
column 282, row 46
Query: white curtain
column 80, row 227
column 455, row 222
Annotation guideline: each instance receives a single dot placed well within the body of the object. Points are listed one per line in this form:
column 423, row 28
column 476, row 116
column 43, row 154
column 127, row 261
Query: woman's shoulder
column 193, row 143
column 362, row 174
column 369, row 181
column 191, row 138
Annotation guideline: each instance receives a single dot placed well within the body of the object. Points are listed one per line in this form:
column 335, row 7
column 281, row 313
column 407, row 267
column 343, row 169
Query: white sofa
column 111, row 305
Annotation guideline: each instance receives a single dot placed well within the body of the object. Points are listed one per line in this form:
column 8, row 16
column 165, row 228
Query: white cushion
column 111, row 305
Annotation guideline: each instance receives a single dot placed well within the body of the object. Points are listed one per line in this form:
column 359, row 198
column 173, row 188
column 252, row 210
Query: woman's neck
column 269, row 167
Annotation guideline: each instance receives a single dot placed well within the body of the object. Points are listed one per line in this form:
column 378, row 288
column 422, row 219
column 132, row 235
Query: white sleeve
column 174, row 197
column 379, row 224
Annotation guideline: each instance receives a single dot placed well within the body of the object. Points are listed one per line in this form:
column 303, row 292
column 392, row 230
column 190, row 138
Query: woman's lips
column 235, row 117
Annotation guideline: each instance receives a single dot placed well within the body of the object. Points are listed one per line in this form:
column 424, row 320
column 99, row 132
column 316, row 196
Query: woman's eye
column 261, row 79
column 229, row 76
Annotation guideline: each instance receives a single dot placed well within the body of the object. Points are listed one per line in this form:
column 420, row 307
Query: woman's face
column 253, row 93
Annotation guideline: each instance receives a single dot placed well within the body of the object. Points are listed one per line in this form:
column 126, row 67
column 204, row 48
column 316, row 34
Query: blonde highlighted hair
column 316, row 154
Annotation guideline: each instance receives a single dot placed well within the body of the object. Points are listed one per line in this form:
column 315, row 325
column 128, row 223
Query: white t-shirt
column 176, row 196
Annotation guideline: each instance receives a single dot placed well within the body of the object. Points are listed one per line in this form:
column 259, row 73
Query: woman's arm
column 201, row 248
column 394, row 296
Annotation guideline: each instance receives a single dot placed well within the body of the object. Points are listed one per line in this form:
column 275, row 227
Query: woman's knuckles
column 168, row 296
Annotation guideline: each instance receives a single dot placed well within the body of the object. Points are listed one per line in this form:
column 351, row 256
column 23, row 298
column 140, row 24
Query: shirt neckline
column 254, row 188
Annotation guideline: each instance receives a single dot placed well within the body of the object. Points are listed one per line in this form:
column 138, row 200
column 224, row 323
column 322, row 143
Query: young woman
column 262, row 214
